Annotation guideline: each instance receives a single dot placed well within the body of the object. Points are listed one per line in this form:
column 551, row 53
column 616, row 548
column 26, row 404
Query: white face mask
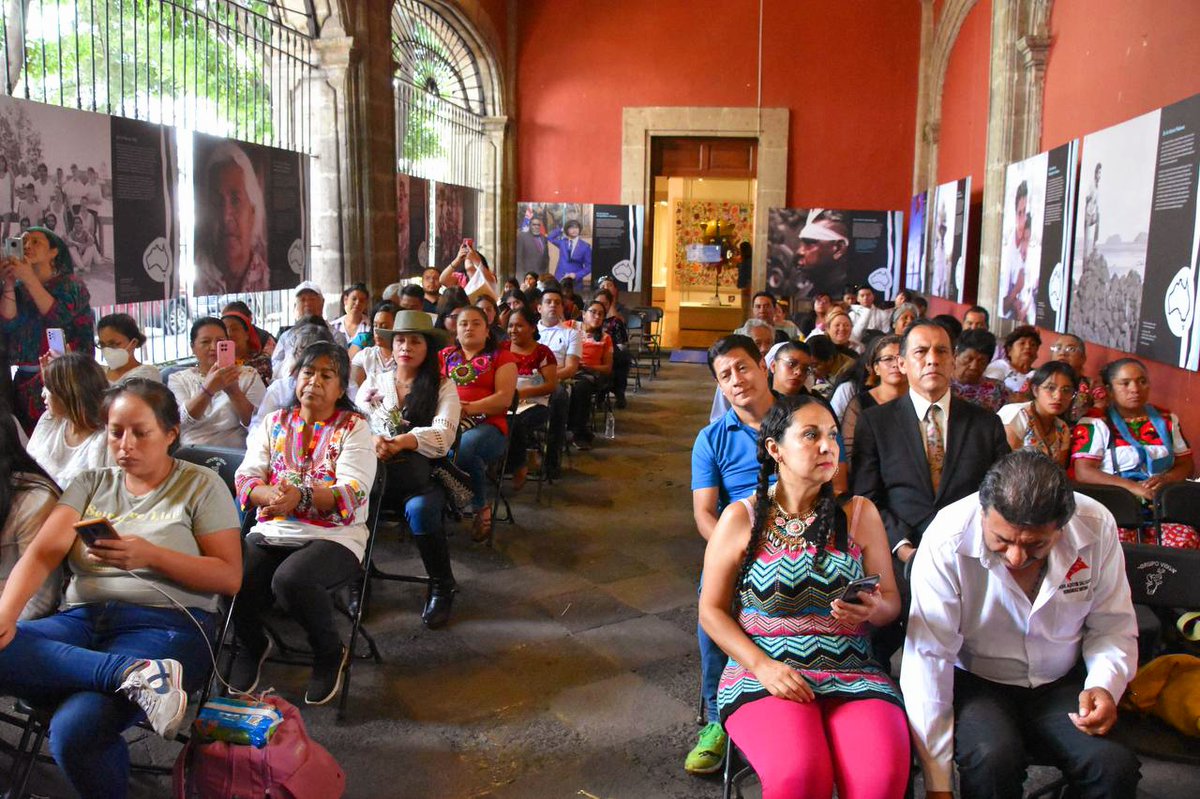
column 114, row 357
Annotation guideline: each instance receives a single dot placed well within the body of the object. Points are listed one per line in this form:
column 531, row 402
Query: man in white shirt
column 1021, row 638
column 866, row 315
column 567, row 347
column 309, row 303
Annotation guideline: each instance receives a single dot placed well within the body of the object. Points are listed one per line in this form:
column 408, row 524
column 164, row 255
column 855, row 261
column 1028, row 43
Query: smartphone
column 56, row 341
column 469, row 243
column 93, row 530
column 13, row 248
column 862, row 584
column 225, row 353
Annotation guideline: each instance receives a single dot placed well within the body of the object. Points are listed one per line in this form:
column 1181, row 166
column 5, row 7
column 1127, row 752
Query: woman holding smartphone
column 802, row 695
column 49, row 297
column 216, row 397
column 122, row 649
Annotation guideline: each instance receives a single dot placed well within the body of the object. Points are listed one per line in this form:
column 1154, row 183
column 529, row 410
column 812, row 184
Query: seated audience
column 265, row 338
column 763, row 307
column 609, row 283
column 1071, row 350
column 1134, row 445
column 1036, row 424
column 537, row 379
column 119, row 339
column 567, row 346
column 572, row 305
column 215, row 403
column 1020, row 352
column 839, row 327
column 248, row 349
column 356, row 300
column 413, row 412
column 470, row 272
column 595, row 371
column 530, row 281
column 866, row 315
column 828, row 365
column 849, row 297
column 1022, row 638
column 307, row 474
column 922, row 305
column 431, row 284
column 790, row 368
column 452, row 301
column 615, row 327
column 511, row 302
column 951, row 325
column 801, row 693
column 70, row 437
column 976, row 318
column 281, row 392
column 972, row 353
column 308, row 303
column 784, row 325
column 814, row 320
column 410, row 298
column 121, row 650
column 885, row 382
column 903, row 315
column 27, row 496
column 376, row 356
column 511, row 284
column 491, row 310
column 762, row 333
column 486, row 378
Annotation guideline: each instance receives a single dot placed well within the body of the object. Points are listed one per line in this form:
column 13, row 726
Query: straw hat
column 417, row 322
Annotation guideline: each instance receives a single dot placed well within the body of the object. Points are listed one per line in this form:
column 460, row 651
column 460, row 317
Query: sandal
column 519, row 477
column 482, row 526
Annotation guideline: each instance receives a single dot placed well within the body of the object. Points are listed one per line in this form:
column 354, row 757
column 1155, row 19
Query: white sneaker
column 157, row 688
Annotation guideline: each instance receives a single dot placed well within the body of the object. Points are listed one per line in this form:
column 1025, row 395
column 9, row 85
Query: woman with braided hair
column 802, row 696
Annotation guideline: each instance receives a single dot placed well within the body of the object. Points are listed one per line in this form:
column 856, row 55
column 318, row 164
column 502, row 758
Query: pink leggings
column 800, row 749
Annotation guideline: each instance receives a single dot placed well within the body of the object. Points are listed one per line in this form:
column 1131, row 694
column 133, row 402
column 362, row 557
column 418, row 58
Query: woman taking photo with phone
column 122, row 650
column 216, row 401
column 50, row 296
column 802, row 696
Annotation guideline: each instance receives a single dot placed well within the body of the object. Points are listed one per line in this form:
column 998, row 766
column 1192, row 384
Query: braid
column 762, row 508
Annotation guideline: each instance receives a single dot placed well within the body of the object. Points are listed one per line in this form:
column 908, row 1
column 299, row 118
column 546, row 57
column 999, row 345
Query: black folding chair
column 1124, row 506
column 222, row 460
column 1179, row 503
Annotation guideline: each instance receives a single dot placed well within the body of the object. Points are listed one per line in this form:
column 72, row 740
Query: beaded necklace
column 789, row 531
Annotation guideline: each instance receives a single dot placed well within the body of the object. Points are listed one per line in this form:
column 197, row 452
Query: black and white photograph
column 948, row 240
column 251, row 218
column 914, row 261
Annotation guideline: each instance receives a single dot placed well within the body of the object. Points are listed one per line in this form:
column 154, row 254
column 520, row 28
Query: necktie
column 935, row 445
column 571, row 249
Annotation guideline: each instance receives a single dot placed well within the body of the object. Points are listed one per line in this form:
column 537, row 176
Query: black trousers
column 582, row 395
column 622, row 361
column 520, row 433
column 299, row 579
column 998, row 727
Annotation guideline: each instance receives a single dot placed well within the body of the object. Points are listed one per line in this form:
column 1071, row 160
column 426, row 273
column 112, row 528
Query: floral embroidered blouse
column 340, row 456
column 72, row 311
column 476, row 377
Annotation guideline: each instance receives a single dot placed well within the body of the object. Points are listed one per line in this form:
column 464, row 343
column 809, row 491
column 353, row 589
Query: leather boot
column 435, row 554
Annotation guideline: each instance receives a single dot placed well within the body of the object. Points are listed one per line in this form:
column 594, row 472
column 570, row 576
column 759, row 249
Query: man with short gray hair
column 1021, row 638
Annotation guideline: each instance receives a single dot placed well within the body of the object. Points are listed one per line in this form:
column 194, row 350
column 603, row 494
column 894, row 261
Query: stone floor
column 570, row 668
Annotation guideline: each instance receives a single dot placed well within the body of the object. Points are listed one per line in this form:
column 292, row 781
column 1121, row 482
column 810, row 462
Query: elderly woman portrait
column 231, row 238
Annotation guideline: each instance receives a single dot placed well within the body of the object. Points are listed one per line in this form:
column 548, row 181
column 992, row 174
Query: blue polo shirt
column 725, row 457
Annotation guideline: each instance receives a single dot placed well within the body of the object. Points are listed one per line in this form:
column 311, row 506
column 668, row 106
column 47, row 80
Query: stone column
column 335, row 237
column 496, row 232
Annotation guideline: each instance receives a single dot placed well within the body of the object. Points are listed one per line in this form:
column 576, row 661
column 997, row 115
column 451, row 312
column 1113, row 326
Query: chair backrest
column 165, row 374
column 1124, row 506
column 1163, row 576
column 222, row 460
column 1180, row 503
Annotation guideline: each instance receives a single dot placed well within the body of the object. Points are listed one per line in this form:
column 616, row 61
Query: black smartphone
column 852, row 590
column 93, row 530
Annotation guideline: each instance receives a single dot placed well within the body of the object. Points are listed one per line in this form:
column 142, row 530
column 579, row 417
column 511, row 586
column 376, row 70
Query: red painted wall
column 847, row 72
column 1112, row 60
column 962, row 138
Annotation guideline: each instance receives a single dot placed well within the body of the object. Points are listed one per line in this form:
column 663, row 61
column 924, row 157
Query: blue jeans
column 712, row 663
column 479, row 446
column 411, row 490
column 77, row 660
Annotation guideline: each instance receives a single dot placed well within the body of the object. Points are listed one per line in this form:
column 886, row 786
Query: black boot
column 435, row 554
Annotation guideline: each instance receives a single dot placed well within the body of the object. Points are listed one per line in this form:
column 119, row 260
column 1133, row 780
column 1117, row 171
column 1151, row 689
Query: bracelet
column 305, row 503
column 204, row 388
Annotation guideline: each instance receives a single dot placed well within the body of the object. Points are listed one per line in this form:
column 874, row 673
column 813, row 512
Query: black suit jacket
column 890, row 468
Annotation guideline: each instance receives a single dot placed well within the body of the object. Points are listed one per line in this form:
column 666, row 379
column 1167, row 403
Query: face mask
column 114, row 357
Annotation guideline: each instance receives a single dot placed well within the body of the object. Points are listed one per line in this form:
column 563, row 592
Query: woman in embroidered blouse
column 308, row 472
column 486, row 377
column 537, row 378
column 215, row 403
column 413, row 412
column 1036, row 424
column 972, row 353
column 50, row 296
column 800, row 660
column 1020, row 351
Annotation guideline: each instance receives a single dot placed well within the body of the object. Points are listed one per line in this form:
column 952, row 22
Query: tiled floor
column 570, row 667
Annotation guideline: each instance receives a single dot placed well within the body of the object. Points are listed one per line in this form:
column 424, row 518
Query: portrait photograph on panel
column 914, row 261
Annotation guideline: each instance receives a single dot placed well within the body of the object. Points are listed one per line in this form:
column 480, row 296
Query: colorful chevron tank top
column 785, row 609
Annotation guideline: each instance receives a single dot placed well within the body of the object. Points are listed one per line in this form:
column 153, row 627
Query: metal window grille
column 234, row 68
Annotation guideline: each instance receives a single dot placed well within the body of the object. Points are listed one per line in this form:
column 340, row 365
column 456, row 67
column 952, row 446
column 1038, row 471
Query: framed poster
column 914, row 261
column 948, row 240
column 823, row 250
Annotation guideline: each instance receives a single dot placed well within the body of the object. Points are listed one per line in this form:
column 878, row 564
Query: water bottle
column 610, row 425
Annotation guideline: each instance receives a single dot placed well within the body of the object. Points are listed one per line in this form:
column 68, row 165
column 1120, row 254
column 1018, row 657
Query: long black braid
column 830, row 518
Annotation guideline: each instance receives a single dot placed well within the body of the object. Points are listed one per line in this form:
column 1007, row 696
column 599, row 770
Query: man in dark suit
column 533, row 253
column 917, row 454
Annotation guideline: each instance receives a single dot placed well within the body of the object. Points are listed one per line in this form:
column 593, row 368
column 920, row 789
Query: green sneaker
column 709, row 752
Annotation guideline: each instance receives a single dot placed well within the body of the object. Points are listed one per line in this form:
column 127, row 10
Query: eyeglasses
column 1058, row 391
column 889, row 360
column 791, row 363
column 1066, row 349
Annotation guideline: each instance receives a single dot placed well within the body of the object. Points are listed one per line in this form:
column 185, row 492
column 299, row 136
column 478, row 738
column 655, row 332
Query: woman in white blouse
column 215, row 403
column 378, row 356
column 414, row 415
column 120, row 338
column 69, row 436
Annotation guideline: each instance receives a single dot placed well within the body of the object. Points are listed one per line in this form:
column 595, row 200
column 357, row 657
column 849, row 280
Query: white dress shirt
column 873, row 318
column 562, row 341
column 968, row 612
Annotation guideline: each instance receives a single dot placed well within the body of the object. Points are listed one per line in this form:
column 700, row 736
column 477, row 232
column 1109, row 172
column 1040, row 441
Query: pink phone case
column 225, row 354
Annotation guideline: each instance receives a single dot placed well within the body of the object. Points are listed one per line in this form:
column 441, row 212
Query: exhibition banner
column 412, row 224
column 823, row 250
column 914, row 262
column 456, row 214
column 1135, row 264
column 948, row 241
column 1039, row 210
column 105, row 185
column 617, row 244
column 581, row 241
column 251, row 216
